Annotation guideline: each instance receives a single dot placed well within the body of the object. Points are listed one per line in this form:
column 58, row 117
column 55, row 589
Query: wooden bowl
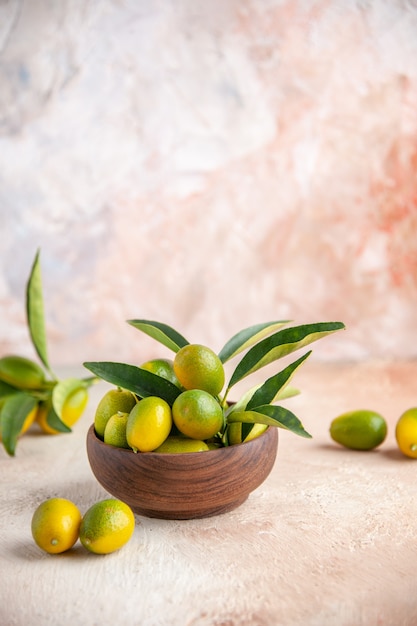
column 183, row 486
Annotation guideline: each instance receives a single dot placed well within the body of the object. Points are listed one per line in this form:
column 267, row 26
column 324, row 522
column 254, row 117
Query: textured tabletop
column 329, row 539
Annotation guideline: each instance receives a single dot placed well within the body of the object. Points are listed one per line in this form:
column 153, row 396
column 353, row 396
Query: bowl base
column 187, row 514
column 183, row 486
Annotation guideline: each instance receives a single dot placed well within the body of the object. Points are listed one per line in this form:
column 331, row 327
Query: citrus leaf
column 62, row 391
column 246, row 429
column 267, row 392
column 135, row 379
column 279, row 345
column 54, row 421
column 161, row 332
column 248, row 337
column 15, row 410
column 6, row 389
column 270, row 415
column 283, row 394
column 240, row 405
column 35, row 312
column 286, row 392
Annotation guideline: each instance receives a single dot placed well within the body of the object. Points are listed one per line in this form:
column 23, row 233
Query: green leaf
column 6, row 389
column 248, row 337
column 266, row 394
column 54, row 421
column 161, row 332
column 284, row 393
column 287, row 392
column 240, row 405
column 15, row 410
column 279, row 345
column 246, row 429
column 61, row 392
column 135, row 379
column 271, row 415
column 35, row 312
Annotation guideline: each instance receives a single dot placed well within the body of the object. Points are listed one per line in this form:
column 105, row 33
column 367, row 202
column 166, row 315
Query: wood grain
column 183, row 486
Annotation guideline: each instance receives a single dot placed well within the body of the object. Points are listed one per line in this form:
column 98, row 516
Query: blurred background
column 209, row 165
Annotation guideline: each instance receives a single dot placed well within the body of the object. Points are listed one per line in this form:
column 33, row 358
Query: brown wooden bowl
column 183, row 486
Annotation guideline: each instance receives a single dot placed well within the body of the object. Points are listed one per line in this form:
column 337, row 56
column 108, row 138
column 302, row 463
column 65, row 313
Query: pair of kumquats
column 57, row 524
column 366, row 430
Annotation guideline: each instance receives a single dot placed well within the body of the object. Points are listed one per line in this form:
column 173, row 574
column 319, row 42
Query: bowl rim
column 93, row 434
column 183, row 485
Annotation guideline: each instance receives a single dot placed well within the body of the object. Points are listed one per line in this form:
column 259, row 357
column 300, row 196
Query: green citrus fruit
column 71, row 411
column 163, row 368
column 197, row 414
column 406, row 433
column 115, row 431
column 107, row 526
column 55, row 525
column 239, row 433
column 359, row 430
column 21, row 372
column 149, row 424
column 198, row 367
column 181, row 445
column 113, row 401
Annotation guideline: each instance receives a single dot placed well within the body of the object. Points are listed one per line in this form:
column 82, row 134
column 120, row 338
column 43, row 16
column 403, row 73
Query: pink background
column 209, row 165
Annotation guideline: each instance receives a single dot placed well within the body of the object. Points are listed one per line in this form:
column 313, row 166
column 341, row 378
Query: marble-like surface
column 210, row 165
column 329, row 539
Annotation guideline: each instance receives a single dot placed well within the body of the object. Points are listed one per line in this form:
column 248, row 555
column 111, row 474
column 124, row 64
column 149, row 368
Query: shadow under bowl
column 183, row 486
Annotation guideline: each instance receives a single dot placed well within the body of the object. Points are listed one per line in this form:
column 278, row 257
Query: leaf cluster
column 260, row 345
column 19, row 396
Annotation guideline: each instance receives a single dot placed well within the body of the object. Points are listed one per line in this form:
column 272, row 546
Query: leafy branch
column 262, row 343
column 27, row 387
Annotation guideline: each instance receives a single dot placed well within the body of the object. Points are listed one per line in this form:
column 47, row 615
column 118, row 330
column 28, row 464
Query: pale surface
column 328, row 540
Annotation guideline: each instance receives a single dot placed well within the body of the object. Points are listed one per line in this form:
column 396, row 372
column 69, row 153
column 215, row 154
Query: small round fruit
column 406, row 433
column 55, row 525
column 72, row 410
column 181, row 445
column 359, row 430
column 113, row 401
column 115, row 431
column 21, row 372
column 163, row 368
column 198, row 367
column 149, row 424
column 197, row 414
column 42, row 419
column 30, row 418
column 74, row 405
column 107, row 526
column 237, row 432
